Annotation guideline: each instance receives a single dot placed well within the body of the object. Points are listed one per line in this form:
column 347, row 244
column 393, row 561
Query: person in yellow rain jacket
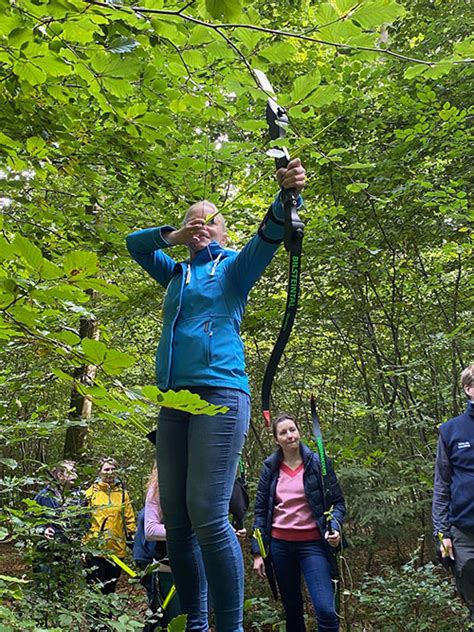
column 112, row 526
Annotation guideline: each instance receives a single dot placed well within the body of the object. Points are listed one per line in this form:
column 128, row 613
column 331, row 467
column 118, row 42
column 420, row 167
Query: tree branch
column 215, row 27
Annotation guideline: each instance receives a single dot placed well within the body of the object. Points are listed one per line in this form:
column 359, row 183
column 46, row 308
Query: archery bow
column 326, row 484
column 277, row 119
column 327, row 499
column 116, row 560
column 267, row 562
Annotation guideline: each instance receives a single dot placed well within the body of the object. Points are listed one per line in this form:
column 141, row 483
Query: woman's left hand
column 333, row 538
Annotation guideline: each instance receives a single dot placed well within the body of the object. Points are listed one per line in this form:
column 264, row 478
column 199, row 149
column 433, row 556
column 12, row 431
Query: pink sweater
column 292, row 517
column 154, row 527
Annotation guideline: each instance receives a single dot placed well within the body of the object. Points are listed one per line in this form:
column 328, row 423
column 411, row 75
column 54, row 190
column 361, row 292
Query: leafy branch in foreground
column 361, row 17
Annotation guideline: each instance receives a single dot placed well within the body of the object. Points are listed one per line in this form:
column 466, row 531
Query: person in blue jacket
column 300, row 538
column 453, row 495
column 51, row 560
column 200, row 349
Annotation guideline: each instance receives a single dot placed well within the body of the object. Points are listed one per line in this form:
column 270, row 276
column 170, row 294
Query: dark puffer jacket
column 265, row 500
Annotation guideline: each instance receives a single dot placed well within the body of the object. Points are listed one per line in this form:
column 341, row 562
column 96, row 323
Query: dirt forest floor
column 13, row 565
column 260, row 610
column 10, row 561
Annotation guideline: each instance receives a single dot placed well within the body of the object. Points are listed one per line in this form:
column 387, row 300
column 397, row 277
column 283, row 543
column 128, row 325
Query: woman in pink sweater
column 290, row 513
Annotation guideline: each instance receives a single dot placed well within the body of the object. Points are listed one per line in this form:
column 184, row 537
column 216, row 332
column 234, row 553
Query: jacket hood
column 213, row 250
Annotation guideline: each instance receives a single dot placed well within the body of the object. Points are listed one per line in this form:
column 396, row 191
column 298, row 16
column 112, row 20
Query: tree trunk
column 81, row 407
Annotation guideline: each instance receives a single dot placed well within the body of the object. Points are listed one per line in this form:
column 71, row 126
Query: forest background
column 113, row 119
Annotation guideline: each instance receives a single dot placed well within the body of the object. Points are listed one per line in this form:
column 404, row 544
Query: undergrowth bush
column 416, row 599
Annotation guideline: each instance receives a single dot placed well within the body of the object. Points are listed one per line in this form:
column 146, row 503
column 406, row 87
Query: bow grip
column 294, row 227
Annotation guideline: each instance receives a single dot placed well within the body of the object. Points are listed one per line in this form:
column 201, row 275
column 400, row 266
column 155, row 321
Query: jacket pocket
column 208, row 332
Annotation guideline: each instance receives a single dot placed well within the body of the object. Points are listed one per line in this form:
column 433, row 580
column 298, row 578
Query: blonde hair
column 152, row 485
column 467, row 376
column 201, row 205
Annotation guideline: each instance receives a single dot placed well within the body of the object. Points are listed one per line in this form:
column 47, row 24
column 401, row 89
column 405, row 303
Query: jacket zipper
column 209, row 332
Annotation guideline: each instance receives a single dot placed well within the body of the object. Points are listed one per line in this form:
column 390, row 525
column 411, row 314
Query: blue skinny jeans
column 290, row 560
column 197, row 463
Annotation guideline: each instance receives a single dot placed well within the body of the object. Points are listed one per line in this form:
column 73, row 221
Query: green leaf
column 252, row 125
column 304, row 85
column 50, row 270
column 165, row 29
column 343, row 31
column 18, row 37
column 325, row 14
column 344, row 6
column 194, row 58
column 182, row 400
column 279, row 53
column 63, row 292
column 64, row 377
column 438, row 71
column 68, row 337
column 465, row 48
column 100, row 285
column 106, row 64
column 6, row 141
column 378, row 12
column 118, row 87
column 55, row 66
column 9, row 23
column 356, row 187
column 155, row 120
column 81, row 31
column 249, row 38
column 80, row 263
column 324, row 95
column 25, row 315
column 115, row 361
column 226, row 10
column 34, row 144
column 200, row 35
column 30, row 253
column 414, row 71
column 219, row 50
column 29, row 72
column 178, row 624
column 94, row 350
column 7, row 251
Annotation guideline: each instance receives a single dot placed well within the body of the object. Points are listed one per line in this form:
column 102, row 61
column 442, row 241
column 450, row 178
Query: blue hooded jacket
column 265, row 499
column 453, row 498
column 205, row 299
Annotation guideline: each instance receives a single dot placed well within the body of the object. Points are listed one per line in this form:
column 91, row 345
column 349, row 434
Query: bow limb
column 326, row 485
column 277, row 120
